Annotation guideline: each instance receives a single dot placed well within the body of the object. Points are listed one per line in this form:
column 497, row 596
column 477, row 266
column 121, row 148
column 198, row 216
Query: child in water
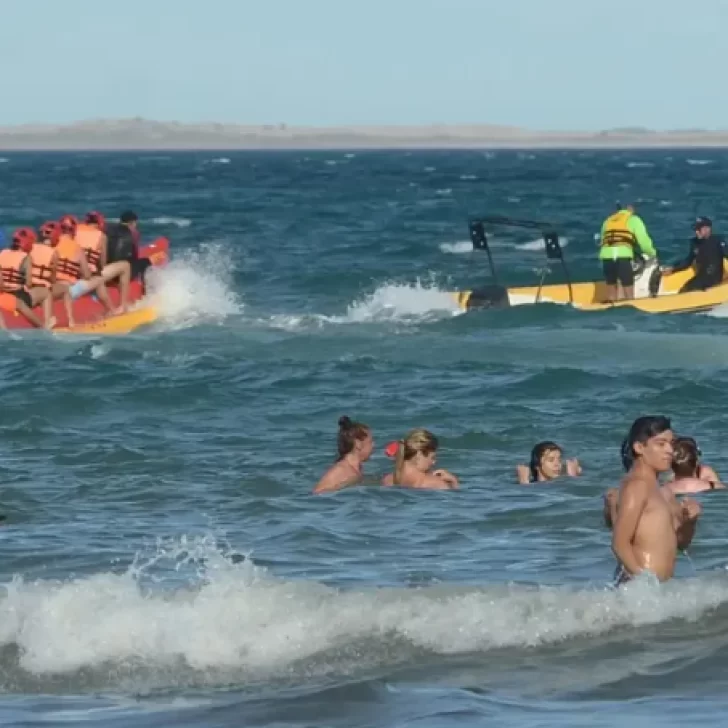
column 415, row 456
column 355, row 445
column 546, row 464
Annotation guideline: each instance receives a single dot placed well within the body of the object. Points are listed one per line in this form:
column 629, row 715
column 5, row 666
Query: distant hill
column 144, row 134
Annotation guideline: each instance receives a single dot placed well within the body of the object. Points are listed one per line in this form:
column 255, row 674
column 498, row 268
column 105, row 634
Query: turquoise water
column 163, row 561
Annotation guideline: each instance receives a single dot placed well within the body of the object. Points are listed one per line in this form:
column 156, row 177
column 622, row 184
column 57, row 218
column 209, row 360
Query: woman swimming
column 355, row 445
column 546, row 464
column 689, row 475
column 415, row 456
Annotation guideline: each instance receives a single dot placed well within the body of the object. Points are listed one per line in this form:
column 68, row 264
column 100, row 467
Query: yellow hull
column 118, row 325
column 591, row 296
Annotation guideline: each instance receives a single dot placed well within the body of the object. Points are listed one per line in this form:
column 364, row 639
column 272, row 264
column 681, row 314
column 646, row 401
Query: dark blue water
column 163, row 561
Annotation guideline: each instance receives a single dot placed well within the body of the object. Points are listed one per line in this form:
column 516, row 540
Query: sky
column 540, row 64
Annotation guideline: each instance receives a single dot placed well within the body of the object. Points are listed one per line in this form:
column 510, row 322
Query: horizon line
column 138, row 133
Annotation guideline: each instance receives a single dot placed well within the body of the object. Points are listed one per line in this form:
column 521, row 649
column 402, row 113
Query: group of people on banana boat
column 648, row 523
column 624, row 234
column 66, row 259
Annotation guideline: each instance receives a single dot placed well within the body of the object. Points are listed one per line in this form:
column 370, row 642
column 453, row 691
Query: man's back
column 119, row 243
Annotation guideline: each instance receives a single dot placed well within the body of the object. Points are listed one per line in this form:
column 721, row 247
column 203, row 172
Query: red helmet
column 68, row 224
column 96, row 218
column 24, row 239
column 51, row 230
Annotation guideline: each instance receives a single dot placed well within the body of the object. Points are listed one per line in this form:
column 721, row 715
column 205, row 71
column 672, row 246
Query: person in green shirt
column 622, row 233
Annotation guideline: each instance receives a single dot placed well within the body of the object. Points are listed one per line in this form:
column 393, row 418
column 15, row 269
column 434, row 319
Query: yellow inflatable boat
column 654, row 292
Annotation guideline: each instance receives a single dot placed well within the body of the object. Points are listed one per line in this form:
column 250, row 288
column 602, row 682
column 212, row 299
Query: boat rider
column 72, row 267
column 91, row 236
column 44, row 266
column 17, row 279
column 707, row 253
column 123, row 244
column 622, row 233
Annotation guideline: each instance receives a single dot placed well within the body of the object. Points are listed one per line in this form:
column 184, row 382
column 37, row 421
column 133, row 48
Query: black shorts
column 24, row 296
column 618, row 270
column 139, row 267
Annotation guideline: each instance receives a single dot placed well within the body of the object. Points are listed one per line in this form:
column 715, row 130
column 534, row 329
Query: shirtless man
column 649, row 523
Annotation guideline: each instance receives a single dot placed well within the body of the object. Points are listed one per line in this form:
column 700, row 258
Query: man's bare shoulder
column 635, row 485
column 636, row 481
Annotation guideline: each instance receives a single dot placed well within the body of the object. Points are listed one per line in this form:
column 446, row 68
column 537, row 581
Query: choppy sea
column 163, row 562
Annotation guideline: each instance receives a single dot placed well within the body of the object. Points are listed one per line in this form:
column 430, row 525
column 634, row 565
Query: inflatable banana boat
column 90, row 315
column 654, row 292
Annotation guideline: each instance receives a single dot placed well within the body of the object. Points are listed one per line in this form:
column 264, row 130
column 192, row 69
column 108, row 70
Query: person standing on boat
column 122, row 243
column 707, row 253
column 623, row 233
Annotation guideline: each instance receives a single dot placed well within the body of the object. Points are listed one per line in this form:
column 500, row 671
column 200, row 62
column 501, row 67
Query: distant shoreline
column 146, row 135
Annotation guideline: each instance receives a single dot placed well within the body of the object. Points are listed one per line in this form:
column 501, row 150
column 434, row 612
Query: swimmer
column 415, row 456
column 355, row 445
column 649, row 523
column 690, row 476
column 546, row 464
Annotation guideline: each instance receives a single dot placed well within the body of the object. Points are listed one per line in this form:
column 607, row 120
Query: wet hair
column 349, row 433
column 642, row 430
column 539, row 450
column 685, row 457
column 421, row 441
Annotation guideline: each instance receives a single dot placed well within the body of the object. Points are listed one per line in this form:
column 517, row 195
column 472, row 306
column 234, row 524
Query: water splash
column 194, row 287
column 191, row 610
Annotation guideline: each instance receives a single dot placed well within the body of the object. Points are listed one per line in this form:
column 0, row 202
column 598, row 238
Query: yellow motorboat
column 654, row 292
column 118, row 325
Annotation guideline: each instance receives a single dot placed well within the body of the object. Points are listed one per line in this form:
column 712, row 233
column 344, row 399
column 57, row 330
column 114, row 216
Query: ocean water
column 163, row 562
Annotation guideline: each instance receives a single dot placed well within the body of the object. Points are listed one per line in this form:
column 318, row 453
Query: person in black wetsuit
column 707, row 253
column 123, row 244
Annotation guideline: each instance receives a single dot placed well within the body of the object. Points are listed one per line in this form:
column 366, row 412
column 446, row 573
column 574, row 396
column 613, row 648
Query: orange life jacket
column 68, row 268
column 89, row 238
column 11, row 265
column 41, row 258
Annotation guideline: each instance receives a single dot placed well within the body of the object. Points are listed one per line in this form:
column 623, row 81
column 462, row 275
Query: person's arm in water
column 633, row 500
column 644, row 241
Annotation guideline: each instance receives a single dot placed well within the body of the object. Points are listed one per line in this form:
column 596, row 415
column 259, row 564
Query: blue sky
column 543, row 64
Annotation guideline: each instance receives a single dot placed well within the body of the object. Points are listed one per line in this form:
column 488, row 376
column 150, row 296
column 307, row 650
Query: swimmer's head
column 354, row 437
column 650, row 439
column 419, row 447
column 545, row 461
column 685, row 457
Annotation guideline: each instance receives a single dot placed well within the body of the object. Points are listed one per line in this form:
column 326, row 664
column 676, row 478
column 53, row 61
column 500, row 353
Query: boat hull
column 88, row 311
column 592, row 295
